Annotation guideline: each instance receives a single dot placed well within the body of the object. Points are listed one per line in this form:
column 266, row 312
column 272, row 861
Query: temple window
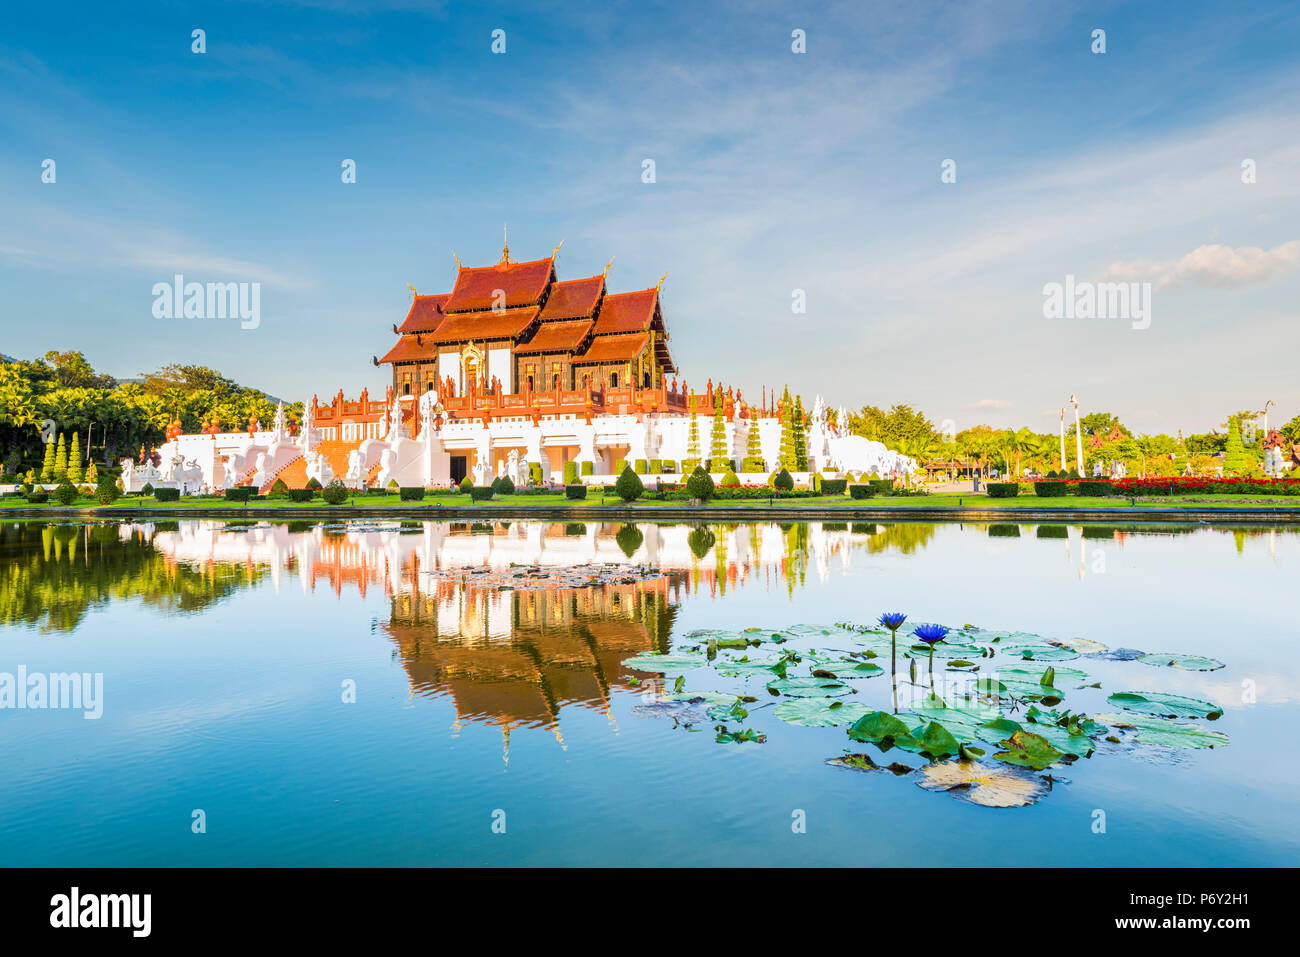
column 613, row 380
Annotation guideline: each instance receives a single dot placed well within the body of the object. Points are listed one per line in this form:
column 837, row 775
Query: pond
column 518, row 693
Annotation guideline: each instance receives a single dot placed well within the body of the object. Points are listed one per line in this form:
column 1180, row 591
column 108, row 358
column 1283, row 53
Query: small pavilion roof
column 627, row 312
column 617, row 348
column 410, row 349
column 563, row 336
column 522, row 283
column 573, row 299
column 425, row 315
column 485, row 324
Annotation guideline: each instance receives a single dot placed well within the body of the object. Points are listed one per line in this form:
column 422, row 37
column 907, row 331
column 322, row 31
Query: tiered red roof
column 627, row 312
column 616, row 348
column 425, row 315
column 562, row 336
column 573, row 299
column 523, row 284
column 410, row 349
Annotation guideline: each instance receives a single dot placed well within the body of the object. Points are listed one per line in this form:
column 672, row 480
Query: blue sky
column 775, row 172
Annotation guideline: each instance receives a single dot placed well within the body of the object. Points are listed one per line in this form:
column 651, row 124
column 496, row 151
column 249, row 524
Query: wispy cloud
column 1215, row 265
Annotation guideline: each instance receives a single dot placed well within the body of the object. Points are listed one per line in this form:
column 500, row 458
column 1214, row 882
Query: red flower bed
column 1191, row 485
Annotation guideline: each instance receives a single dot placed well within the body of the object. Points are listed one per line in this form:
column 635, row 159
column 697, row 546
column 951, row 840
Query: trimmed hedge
column 570, row 473
column 504, row 486
column 535, row 472
column 861, row 491
column 1003, row 489
column 1094, row 487
column 480, row 493
column 753, row 465
column 413, row 494
column 639, row 466
column 588, row 468
column 619, row 466
column 834, row 486
column 38, row 497
column 668, row 467
column 301, row 494
column 466, row 484
column 166, row 494
column 240, row 493
column 629, row 486
column 1052, row 489
column 700, row 485
column 313, row 484
column 884, row 486
column 730, row 480
column 656, row 466
column 783, row 480
column 575, row 491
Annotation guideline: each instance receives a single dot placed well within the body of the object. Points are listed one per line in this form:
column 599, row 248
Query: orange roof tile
column 627, row 312
column 614, row 348
column 425, row 314
column 556, row 337
column 408, row 349
column 485, row 324
column 573, row 299
column 522, row 283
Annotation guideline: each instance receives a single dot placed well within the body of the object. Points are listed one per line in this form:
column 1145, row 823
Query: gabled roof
column 573, row 299
column 523, row 285
column 564, row 336
column 410, row 349
column 618, row 348
column 425, row 314
column 627, row 312
column 484, row 324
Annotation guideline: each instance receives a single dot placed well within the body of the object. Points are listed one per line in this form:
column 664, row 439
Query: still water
column 419, row 693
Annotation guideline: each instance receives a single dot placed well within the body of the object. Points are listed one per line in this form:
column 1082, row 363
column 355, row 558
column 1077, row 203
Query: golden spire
column 607, row 265
column 459, row 265
column 556, row 251
column 660, row 284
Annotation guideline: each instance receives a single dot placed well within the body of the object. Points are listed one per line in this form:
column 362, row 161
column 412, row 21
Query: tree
column 754, row 447
column 74, row 459
column 789, row 456
column 1291, row 431
column 800, row 436
column 1236, row 460
column 692, row 438
column 61, row 460
column 47, row 468
column 629, row 486
column 71, row 370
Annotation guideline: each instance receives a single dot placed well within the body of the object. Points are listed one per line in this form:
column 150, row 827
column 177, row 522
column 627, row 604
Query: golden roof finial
column 459, row 264
column 505, row 243
column 660, row 284
column 412, row 288
column 607, row 265
column 556, row 251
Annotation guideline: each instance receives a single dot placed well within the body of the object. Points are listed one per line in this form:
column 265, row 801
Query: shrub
column 336, row 493
column 167, row 495
column 834, row 486
column 1051, row 474
column 700, row 485
column 240, row 493
column 313, row 484
column 575, row 491
column 668, row 467
column 1094, row 487
column 147, row 490
column 753, row 465
column 570, row 473
column 619, row 466
column 1003, row 489
column 301, row 494
column 1056, row 489
column 640, row 466
column 881, row 486
column 535, row 472
column 861, row 491
column 588, row 468
column 700, row 541
column 1073, row 474
column 480, row 493
column 106, row 491
column 783, row 481
column 629, row 486
column 505, row 485
column 416, row 493
column 730, row 480
column 279, row 486
column 38, row 496
column 656, row 466
column 466, row 484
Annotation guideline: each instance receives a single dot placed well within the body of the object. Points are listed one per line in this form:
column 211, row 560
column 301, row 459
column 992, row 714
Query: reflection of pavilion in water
column 513, row 658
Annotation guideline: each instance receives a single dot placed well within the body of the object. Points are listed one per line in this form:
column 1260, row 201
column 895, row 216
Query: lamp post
column 1078, row 437
column 1062, row 438
column 1266, row 405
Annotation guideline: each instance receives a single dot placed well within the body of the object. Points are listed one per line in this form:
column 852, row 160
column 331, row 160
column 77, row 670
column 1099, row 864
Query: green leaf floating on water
column 877, row 726
column 1165, row 705
column 736, row 667
column 932, row 741
column 1028, row 750
column 863, row 762
column 819, row 712
column 664, row 664
column 988, row 785
column 1182, row 662
column 1165, row 733
column 852, row 668
column 809, row 687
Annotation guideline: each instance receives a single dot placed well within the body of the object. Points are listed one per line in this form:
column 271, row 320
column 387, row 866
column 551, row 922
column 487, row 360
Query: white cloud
column 990, row 404
column 1214, row 265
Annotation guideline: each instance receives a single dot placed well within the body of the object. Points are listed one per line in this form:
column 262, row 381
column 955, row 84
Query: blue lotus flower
column 930, row 633
column 893, row 620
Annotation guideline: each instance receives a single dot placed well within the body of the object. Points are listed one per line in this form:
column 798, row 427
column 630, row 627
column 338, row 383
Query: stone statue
column 356, row 477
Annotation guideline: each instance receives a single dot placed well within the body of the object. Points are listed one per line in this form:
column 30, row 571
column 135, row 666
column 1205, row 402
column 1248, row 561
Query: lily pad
column 932, row 741
column 851, row 668
column 1165, row 733
column 876, row 727
column 1028, row 750
column 1165, row 705
column 809, row 687
column 1182, row 662
column 988, row 785
column 863, row 762
column 658, row 663
column 1084, row 646
column 819, row 712
column 737, row 667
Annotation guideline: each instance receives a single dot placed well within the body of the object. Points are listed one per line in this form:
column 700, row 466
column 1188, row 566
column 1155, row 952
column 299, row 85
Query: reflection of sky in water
column 224, row 653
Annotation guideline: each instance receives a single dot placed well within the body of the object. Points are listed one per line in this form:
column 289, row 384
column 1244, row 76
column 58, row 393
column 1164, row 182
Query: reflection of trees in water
column 906, row 537
column 53, row 575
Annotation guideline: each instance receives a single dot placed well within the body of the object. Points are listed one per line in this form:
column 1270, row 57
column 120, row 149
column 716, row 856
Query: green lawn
column 551, row 500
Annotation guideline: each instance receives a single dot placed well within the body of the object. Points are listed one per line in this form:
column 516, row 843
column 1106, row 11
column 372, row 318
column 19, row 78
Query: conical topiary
column 75, row 471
